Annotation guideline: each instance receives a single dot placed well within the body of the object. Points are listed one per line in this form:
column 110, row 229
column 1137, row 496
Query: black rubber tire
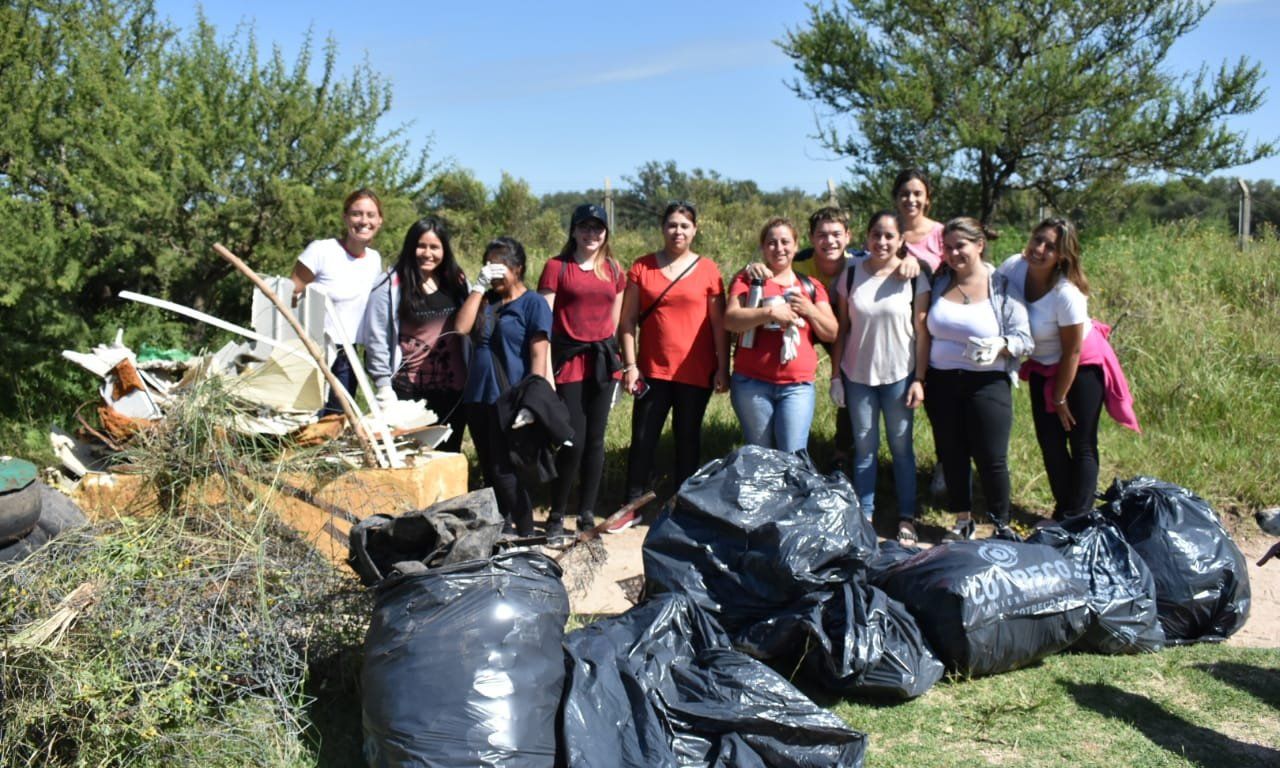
column 58, row 512
column 19, row 512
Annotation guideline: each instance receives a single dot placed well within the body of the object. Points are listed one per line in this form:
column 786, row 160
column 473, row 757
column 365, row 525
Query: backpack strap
column 809, row 288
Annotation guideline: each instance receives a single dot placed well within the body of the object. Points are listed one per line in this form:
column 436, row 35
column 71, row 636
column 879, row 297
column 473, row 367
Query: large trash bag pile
column 761, row 559
column 777, row 553
column 1120, row 589
column 1201, row 578
column 661, row 685
column 466, row 663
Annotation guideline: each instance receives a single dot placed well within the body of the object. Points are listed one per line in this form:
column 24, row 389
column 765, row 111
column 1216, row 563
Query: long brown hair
column 1069, row 263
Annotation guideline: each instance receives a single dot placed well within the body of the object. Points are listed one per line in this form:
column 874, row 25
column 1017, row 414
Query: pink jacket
column 1095, row 350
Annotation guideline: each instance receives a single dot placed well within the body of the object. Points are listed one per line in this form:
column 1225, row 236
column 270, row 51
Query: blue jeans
column 773, row 415
column 865, row 404
column 345, row 375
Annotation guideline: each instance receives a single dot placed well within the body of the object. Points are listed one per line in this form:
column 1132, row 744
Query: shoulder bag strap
column 644, row 315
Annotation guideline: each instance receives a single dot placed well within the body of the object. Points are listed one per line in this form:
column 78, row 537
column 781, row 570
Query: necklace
column 963, row 295
column 671, row 262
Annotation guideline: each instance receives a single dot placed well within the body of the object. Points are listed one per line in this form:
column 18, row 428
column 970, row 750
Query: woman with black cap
column 583, row 286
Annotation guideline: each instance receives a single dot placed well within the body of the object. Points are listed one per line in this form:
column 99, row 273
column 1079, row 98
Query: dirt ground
column 607, row 592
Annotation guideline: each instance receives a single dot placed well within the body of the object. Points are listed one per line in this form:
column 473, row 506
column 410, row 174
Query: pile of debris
column 277, row 387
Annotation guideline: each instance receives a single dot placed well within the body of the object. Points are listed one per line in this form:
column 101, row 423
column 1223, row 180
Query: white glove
column 524, row 417
column 385, row 395
column 984, row 351
column 790, row 343
column 488, row 273
column 837, row 392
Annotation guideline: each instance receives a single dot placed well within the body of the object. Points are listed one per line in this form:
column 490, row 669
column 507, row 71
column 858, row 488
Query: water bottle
column 754, row 297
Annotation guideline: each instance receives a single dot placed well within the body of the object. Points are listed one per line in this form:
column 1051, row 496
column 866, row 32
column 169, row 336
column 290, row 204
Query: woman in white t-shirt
column 1066, row 404
column 346, row 268
column 877, row 312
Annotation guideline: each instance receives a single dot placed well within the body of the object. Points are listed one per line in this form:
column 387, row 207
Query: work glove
column 524, row 417
column 984, row 351
column 837, row 392
column 385, row 395
column 488, row 273
column 790, row 343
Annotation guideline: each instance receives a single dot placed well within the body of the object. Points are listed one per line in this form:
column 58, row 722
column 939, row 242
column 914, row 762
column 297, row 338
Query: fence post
column 832, row 200
column 1246, row 215
column 608, row 203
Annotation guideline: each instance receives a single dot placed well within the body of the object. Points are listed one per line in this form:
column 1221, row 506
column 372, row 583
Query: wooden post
column 832, row 199
column 1244, row 224
column 365, row 444
column 608, row 203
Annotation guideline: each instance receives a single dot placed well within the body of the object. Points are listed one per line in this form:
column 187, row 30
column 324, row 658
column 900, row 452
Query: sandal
column 963, row 530
column 907, row 534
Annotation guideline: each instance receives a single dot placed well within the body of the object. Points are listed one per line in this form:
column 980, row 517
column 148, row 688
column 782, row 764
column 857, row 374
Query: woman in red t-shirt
column 772, row 385
column 675, row 300
column 584, row 286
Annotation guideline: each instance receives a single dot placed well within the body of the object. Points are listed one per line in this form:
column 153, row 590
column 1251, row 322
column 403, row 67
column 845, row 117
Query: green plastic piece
column 16, row 474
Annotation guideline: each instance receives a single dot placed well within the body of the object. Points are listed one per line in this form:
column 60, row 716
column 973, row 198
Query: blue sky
column 564, row 95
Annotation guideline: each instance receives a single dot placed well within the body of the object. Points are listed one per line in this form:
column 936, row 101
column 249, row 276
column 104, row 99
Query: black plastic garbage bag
column 1122, row 593
column 775, row 552
column 56, row 513
column 1202, row 579
column 870, row 645
column 991, row 606
column 661, row 686
column 754, row 534
column 451, row 531
column 888, row 554
column 463, row 665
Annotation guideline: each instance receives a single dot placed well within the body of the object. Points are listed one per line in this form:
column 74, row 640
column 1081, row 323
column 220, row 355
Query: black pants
column 844, row 435
column 588, row 403
column 971, row 413
column 514, row 501
column 448, row 408
column 1071, row 458
column 688, row 404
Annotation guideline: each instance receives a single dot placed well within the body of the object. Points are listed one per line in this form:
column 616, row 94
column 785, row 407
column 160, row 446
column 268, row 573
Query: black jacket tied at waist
column 607, row 361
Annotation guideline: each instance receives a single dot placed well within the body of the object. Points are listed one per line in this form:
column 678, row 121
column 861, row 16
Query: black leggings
column 689, row 404
column 588, row 403
column 514, row 501
column 1071, row 458
column 971, row 413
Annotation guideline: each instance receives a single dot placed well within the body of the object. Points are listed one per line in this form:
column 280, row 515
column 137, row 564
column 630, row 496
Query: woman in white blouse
column 1066, row 396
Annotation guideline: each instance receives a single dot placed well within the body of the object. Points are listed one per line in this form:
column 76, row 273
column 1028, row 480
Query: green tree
column 1050, row 95
column 128, row 150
